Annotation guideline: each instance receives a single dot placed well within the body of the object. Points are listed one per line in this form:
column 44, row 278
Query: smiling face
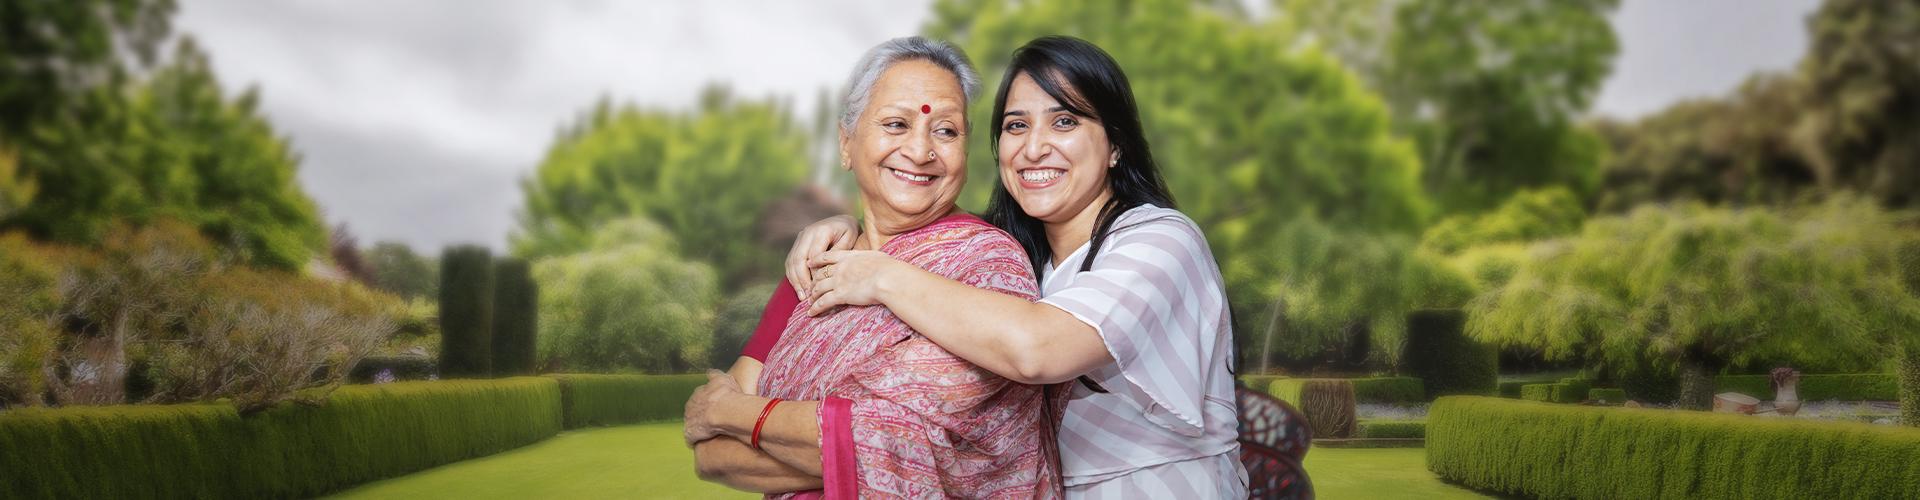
column 1052, row 161
column 916, row 108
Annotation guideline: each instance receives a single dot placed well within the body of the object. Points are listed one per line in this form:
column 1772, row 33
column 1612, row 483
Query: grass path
column 648, row 461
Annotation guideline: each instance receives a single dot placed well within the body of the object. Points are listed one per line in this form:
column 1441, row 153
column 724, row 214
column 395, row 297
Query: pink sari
column 901, row 417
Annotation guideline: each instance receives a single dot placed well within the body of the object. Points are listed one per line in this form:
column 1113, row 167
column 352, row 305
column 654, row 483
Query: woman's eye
column 1015, row 127
column 1065, row 122
column 946, row 133
column 894, row 126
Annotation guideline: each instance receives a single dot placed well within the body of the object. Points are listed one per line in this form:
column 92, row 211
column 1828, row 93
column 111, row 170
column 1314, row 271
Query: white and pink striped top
column 1166, row 428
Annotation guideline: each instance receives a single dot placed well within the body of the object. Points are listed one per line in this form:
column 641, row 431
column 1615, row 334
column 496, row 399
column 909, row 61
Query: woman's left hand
column 848, row 277
column 702, row 418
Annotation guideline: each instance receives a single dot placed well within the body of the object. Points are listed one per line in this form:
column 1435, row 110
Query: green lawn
column 648, row 461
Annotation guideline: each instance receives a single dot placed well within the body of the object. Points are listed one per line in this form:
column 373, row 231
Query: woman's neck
column 877, row 230
column 1066, row 236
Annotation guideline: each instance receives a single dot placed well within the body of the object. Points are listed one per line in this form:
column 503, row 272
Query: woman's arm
column 790, row 435
column 1027, row 342
column 731, row 462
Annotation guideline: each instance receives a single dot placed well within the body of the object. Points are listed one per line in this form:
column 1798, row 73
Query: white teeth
column 911, row 177
column 1041, row 175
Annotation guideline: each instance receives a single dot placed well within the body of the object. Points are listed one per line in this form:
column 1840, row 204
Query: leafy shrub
column 1327, row 403
column 1445, row 359
column 1538, row 450
column 1649, row 385
column 1388, row 390
column 1849, row 387
column 1561, row 392
column 360, row 434
column 630, row 303
column 1392, row 429
column 516, row 308
column 624, row 399
column 257, row 337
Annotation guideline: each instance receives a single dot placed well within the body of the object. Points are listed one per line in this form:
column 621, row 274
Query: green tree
column 53, row 53
column 1258, row 140
column 172, row 146
column 629, row 302
column 1863, row 69
column 706, row 176
column 400, row 271
column 1695, row 289
column 1490, row 90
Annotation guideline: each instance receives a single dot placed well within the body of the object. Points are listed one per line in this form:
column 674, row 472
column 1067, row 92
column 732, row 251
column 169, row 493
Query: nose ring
column 929, row 155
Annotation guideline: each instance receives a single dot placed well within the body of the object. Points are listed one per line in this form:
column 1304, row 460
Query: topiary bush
column 1328, row 403
column 401, row 367
column 1538, row 450
column 1847, row 387
column 1389, row 390
column 624, row 399
column 466, row 312
column 1441, row 355
column 361, row 433
column 516, row 309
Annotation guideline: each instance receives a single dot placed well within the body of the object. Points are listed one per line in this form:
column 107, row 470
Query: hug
column 1072, row 341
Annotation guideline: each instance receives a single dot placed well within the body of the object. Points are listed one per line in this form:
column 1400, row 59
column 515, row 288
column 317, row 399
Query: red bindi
column 926, row 110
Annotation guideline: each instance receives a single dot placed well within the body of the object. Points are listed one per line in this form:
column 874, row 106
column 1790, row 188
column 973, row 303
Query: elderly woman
column 854, row 402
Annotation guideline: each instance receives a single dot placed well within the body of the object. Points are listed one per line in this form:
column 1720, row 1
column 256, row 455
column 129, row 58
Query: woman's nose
column 920, row 148
column 1037, row 147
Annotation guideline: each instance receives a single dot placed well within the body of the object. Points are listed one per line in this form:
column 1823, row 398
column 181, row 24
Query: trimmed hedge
column 516, row 306
column 1439, row 353
column 1260, row 382
column 1611, row 396
column 1558, row 451
column 1565, row 391
column 466, row 312
column 1847, row 387
column 362, row 433
column 1389, row 390
column 622, row 399
column 1392, row 429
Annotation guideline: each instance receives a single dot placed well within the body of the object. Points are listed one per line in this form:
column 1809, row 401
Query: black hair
column 1088, row 83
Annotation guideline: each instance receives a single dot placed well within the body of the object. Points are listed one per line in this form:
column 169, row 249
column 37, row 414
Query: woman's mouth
column 912, row 178
column 1037, row 178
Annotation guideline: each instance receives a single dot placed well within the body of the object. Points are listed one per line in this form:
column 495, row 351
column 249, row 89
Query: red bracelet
column 763, row 421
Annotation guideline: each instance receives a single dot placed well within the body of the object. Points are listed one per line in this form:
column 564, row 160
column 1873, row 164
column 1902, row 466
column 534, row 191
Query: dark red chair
column 1274, row 438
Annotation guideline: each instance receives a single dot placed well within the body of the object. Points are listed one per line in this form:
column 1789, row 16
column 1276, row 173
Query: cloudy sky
column 416, row 119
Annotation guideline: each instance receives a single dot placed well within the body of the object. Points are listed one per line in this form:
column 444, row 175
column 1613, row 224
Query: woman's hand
column 849, row 277
column 703, row 418
column 832, row 233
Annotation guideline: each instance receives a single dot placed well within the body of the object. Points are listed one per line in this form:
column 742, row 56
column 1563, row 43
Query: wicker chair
column 1273, row 443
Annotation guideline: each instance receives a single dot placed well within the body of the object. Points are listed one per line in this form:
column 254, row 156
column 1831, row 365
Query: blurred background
column 230, row 199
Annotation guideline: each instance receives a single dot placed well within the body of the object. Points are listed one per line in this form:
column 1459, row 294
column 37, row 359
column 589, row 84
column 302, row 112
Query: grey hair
column 911, row 48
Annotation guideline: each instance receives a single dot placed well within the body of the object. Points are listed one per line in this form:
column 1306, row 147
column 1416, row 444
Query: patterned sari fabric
column 923, row 422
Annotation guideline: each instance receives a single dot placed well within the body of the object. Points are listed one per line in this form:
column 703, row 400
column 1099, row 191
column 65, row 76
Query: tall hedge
column 1443, row 357
column 1544, row 450
column 623, row 399
column 516, row 307
column 466, row 312
column 362, row 433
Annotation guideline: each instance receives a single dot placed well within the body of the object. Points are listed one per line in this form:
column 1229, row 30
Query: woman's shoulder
column 1153, row 219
